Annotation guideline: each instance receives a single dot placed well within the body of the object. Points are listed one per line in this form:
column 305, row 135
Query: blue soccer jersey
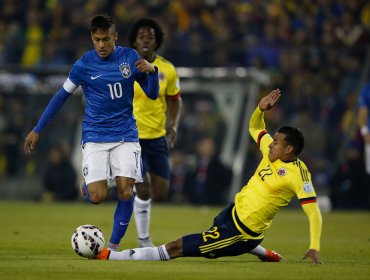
column 364, row 100
column 108, row 86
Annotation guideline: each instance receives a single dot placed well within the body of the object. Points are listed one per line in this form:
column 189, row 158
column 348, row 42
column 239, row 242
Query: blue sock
column 122, row 218
column 87, row 192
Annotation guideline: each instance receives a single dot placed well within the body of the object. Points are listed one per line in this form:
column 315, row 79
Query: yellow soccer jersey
column 151, row 114
column 272, row 186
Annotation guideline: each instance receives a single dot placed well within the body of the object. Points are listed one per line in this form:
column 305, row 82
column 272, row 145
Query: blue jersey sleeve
column 150, row 84
column 364, row 99
column 53, row 107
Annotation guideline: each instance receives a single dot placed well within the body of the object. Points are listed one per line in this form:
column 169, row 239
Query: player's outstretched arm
column 53, row 107
column 313, row 255
column 269, row 100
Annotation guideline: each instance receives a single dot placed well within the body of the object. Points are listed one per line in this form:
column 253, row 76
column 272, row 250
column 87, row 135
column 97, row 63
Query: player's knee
column 143, row 191
column 125, row 194
column 97, row 197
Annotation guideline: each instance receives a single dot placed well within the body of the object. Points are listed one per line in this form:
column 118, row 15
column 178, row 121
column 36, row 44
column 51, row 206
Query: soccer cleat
column 113, row 247
column 271, row 256
column 103, row 255
column 145, row 242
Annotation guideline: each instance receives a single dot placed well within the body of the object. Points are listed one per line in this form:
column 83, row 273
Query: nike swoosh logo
column 95, row 77
column 123, row 224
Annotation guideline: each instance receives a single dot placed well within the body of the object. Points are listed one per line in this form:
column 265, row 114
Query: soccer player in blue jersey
column 110, row 143
column 241, row 226
column 364, row 122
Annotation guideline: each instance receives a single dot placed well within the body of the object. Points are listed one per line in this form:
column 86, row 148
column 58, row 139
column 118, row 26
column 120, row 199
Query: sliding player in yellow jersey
column 146, row 37
column 240, row 228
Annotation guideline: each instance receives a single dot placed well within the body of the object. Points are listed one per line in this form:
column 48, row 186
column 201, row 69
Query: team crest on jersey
column 307, row 187
column 85, row 171
column 281, row 171
column 125, row 70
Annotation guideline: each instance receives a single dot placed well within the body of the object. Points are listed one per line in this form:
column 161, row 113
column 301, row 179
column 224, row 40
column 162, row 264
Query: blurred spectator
column 34, row 35
column 13, row 135
column 208, row 181
column 178, row 170
column 349, row 186
column 60, row 179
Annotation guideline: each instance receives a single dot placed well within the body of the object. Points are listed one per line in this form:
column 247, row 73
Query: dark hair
column 101, row 21
column 294, row 137
column 146, row 22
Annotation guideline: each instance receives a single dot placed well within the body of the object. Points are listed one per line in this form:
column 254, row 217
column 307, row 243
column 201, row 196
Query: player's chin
column 103, row 54
column 271, row 157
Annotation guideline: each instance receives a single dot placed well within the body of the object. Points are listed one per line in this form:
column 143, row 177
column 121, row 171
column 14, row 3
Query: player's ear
column 290, row 149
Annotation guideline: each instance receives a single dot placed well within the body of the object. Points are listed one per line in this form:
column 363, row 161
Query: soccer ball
column 87, row 241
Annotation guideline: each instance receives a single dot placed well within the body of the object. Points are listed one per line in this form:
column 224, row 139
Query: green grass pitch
column 35, row 244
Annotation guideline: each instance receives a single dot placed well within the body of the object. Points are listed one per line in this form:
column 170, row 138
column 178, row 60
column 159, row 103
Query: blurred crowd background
column 316, row 52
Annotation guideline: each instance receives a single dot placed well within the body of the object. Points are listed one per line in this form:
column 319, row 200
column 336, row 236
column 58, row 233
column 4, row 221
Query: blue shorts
column 221, row 240
column 154, row 153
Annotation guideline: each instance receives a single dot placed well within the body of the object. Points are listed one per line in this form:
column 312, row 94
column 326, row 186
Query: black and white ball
column 87, row 241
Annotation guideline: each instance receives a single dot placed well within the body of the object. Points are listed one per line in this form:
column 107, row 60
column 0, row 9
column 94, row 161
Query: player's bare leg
column 160, row 187
column 97, row 191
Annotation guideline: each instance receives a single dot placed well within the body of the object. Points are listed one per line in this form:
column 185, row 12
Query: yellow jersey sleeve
column 151, row 114
column 257, row 129
column 314, row 217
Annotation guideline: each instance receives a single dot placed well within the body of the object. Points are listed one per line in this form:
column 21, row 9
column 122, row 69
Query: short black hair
column 146, row 22
column 101, row 21
column 294, row 137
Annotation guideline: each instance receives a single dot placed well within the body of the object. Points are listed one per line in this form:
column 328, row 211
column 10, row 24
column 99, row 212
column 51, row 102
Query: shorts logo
column 307, row 187
column 85, row 171
column 281, row 172
column 125, row 70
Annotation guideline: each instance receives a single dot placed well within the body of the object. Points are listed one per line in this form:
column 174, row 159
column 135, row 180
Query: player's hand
column 270, row 100
column 144, row 66
column 172, row 136
column 30, row 142
column 313, row 255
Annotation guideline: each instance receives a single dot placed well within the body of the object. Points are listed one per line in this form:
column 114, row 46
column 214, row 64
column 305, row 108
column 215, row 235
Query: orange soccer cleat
column 103, row 255
column 271, row 256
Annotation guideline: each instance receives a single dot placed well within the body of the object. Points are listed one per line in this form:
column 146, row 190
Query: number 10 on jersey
column 115, row 90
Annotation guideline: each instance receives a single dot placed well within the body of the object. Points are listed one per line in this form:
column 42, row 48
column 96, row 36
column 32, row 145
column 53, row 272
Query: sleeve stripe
column 174, row 97
column 260, row 135
column 307, row 200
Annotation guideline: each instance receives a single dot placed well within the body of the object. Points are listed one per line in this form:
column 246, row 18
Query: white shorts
column 102, row 161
